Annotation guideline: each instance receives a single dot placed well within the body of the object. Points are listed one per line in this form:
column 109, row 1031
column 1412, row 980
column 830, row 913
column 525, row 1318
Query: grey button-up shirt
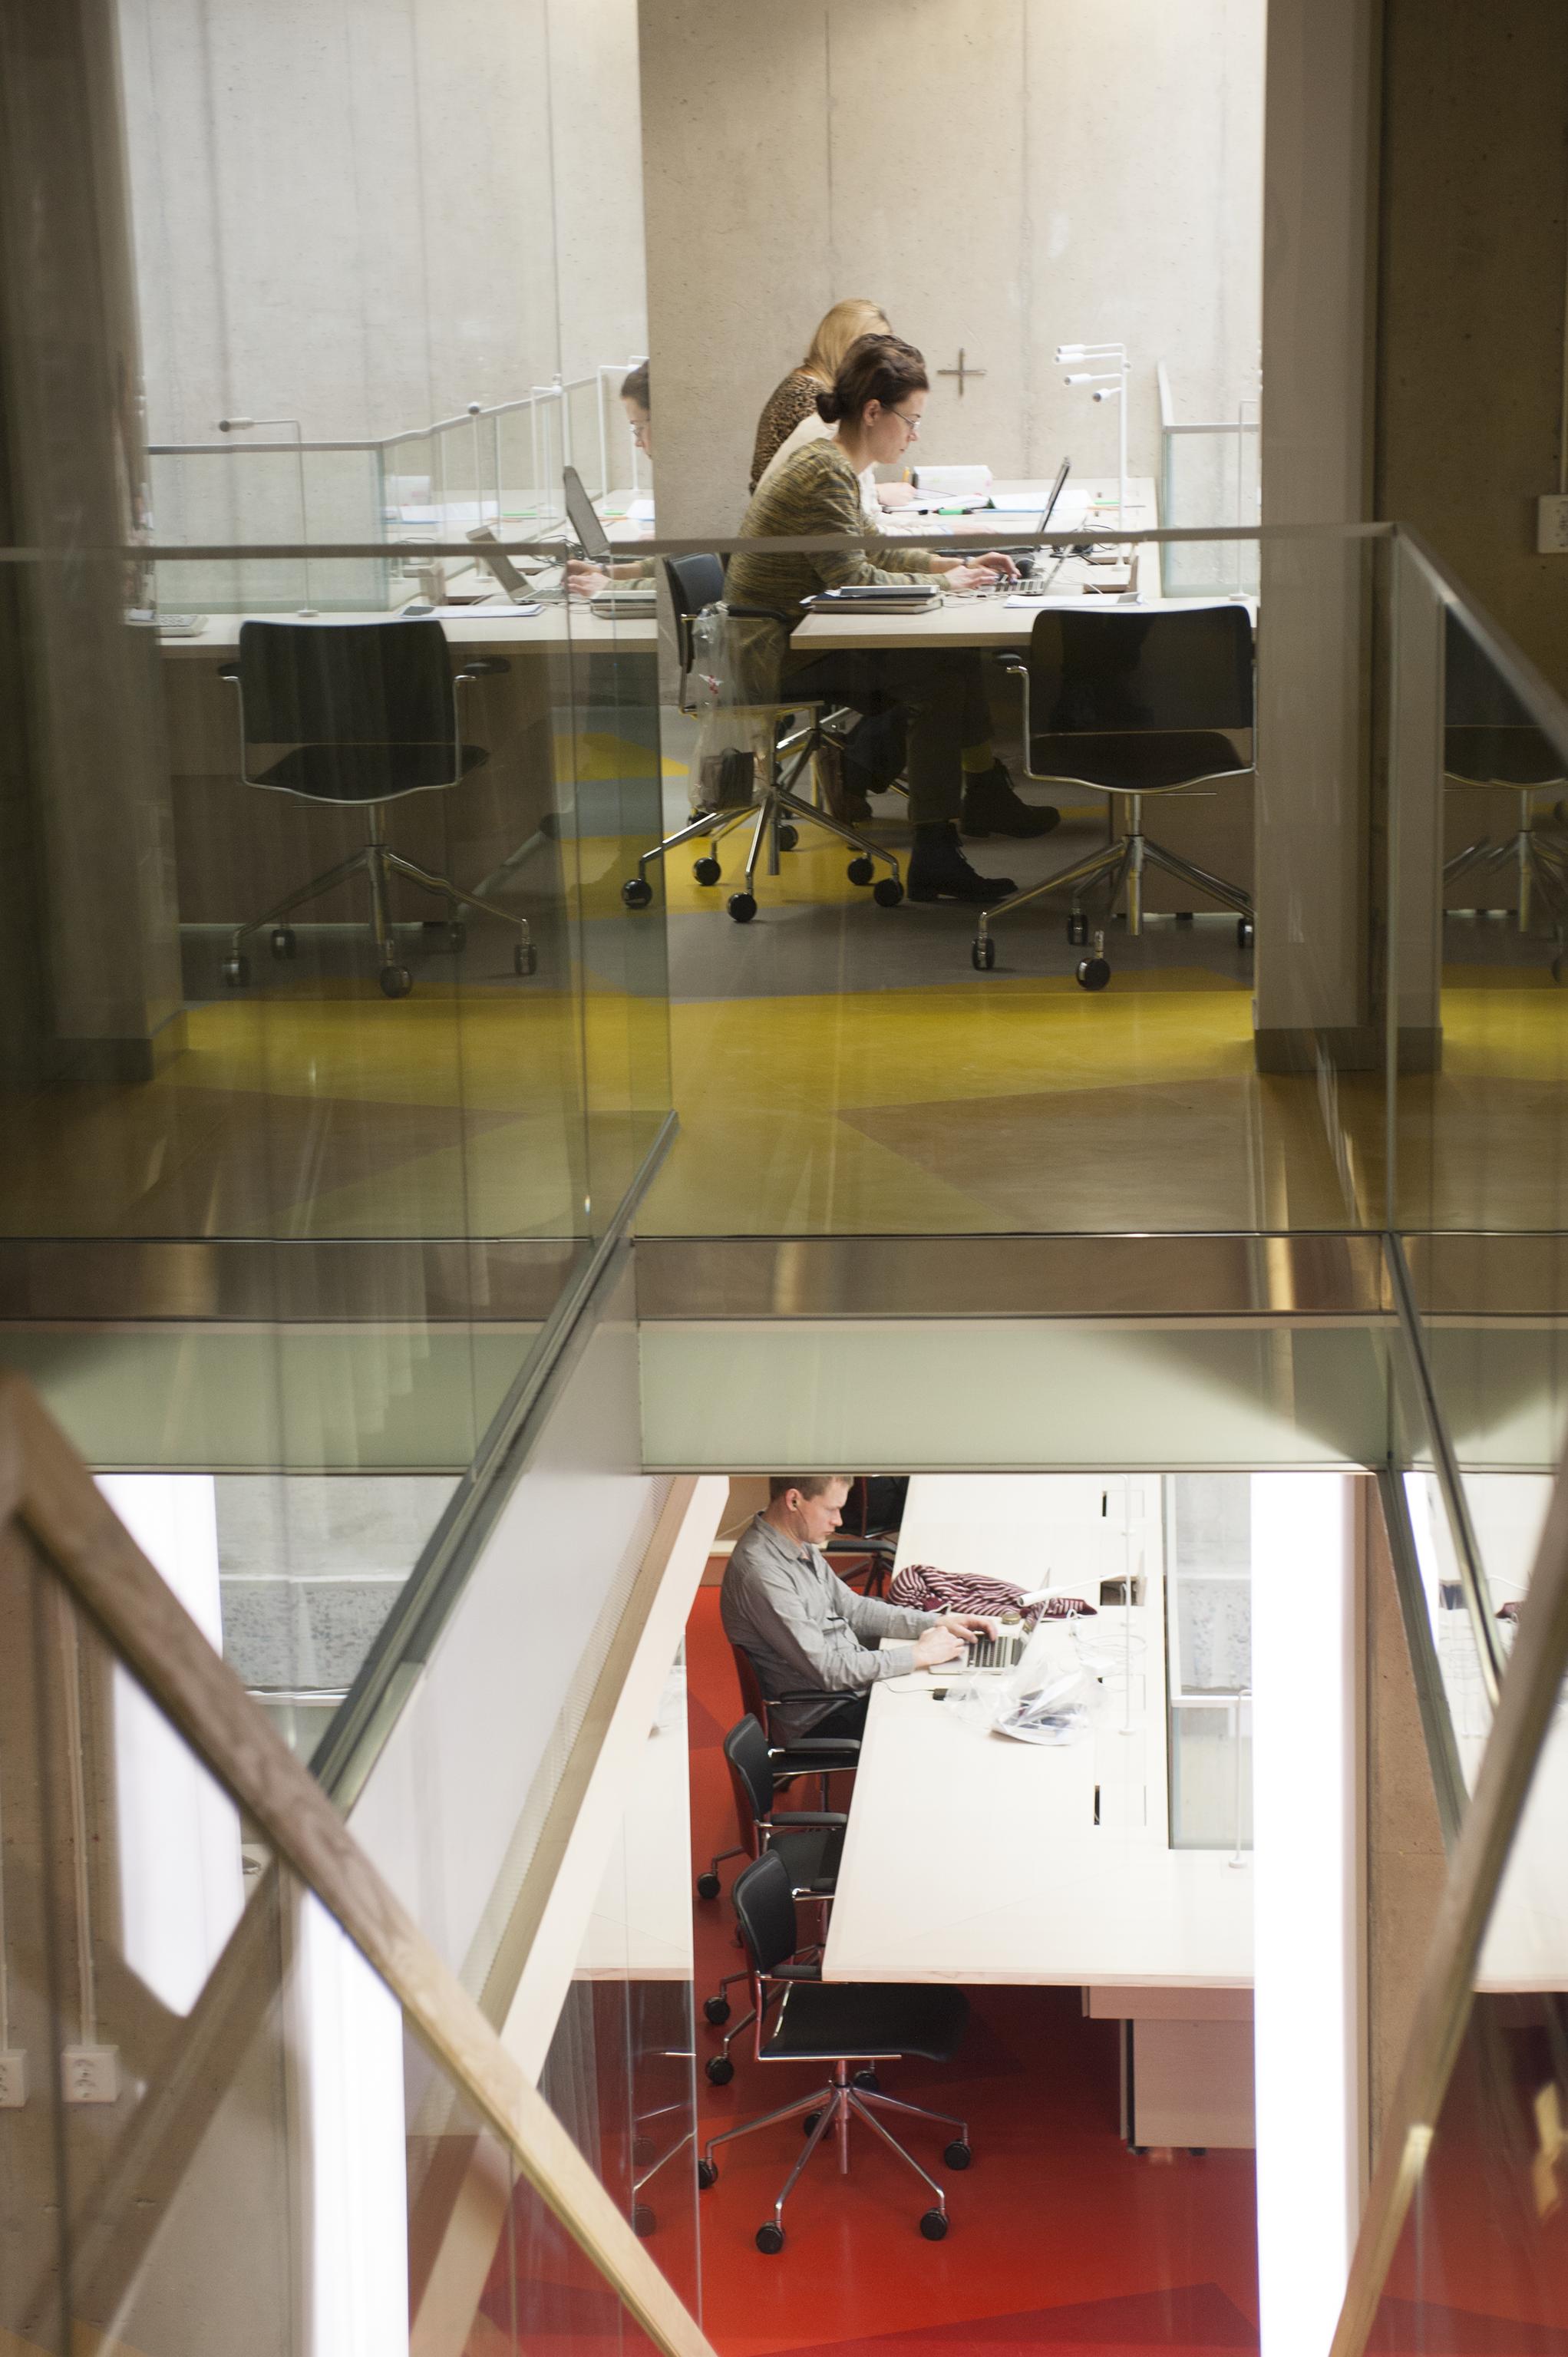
column 803, row 1628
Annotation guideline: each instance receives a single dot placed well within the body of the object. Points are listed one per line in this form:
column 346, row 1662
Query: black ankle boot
column 939, row 871
column 991, row 806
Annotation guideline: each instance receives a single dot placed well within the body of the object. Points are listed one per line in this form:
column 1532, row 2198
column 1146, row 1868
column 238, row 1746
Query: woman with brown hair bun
column 874, row 407
column 793, row 401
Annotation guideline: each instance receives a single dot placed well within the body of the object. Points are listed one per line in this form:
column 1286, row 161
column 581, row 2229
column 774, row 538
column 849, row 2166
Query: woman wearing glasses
column 874, row 407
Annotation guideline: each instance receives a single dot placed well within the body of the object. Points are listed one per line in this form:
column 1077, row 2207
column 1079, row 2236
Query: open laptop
column 522, row 591
column 1033, row 584
column 622, row 597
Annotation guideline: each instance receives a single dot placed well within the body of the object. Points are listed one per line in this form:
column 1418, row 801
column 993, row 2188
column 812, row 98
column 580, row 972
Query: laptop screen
column 584, row 519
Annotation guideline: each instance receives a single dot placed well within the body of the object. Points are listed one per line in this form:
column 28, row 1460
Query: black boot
column 939, row 871
column 991, row 806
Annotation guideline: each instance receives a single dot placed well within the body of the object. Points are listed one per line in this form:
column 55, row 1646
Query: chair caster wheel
column 396, row 981
column 706, row 871
column 236, row 972
column 643, row 2221
column 957, row 2154
column 771, row 2239
column 707, row 2174
column 720, row 2070
column 742, row 906
column 861, row 871
column 983, row 954
column 869, row 2081
column 1243, row 932
column 934, row 2225
column 717, row 2008
column 1078, row 930
column 1093, row 974
column 888, row 893
column 284, row 944
column 636, row 891
column 708, row 1887
column 809, row 2121
column 525, row 958
column 787, row 838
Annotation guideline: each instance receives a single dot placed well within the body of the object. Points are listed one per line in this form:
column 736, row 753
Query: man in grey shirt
column 806, row 1631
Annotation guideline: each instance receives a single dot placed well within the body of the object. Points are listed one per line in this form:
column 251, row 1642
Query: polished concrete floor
column 836, row 1068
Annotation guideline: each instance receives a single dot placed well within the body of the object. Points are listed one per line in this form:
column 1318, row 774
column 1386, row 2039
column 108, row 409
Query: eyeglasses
column 912, row 423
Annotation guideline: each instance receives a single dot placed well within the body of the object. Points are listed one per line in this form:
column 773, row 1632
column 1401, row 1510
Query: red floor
column 1060, row 2237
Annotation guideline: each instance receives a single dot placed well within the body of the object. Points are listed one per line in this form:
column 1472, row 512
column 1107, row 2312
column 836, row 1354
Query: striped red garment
column 922, row 1587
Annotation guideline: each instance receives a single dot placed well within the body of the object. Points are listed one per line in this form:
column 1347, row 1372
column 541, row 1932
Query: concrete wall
column 1006, row 175
column 1470, row 358
column 367, row 213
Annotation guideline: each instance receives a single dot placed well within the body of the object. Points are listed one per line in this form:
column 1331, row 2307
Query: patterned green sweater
column 816, row 492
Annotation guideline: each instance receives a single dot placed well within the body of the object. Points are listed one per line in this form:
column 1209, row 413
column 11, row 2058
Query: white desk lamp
column 1112, row 386
column 246, row 425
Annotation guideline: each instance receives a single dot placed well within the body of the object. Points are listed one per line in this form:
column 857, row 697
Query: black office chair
column 1489, row 739
column 800, row 2018
column 810, row 1755
column 695, row 583
column 810, row 1842
column 1131, row 702
column 368, row 712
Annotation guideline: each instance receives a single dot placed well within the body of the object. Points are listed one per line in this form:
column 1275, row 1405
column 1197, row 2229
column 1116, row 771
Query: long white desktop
column 971, row 1858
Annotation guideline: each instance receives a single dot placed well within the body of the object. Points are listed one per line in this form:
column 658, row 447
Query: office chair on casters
column 811, row 1755
column 369, row 711
column 1131, row 701
column 840, row 2023
column 810, row 1842
column 1489, row 739
column 696, row 583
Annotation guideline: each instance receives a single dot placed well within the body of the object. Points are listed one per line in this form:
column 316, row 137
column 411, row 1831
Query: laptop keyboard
column 995, row 1654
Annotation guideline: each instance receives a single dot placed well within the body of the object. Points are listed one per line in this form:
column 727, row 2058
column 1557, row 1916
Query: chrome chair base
column 379, row 863
column 831, row 2110
column 1123, row 862
column 1540, row 871
column 778, row 805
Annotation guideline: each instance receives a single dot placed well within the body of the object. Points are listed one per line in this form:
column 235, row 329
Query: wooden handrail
column 49, row 1492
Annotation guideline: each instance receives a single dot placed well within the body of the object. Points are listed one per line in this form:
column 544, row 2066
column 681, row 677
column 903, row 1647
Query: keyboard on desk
column 1004, row 1653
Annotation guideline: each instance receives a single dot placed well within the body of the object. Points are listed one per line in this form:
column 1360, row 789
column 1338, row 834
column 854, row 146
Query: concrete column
column 89, row 954
column 1314, row 734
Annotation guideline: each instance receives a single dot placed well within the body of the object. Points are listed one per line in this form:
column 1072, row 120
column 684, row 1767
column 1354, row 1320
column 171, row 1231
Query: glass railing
column 496, row 466
column 244, row 2104
column 290, row 1203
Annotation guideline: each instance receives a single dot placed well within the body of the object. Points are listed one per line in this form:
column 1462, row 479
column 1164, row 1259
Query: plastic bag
column 729, row 764
column 1046, row 1700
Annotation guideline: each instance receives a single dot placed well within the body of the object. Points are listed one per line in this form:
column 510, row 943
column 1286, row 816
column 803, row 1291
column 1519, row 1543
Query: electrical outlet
column 13, row 2080
column 1551, row 525
column 91, row 2075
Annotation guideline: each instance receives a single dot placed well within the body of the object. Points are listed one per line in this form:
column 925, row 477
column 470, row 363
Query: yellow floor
column 1024, row 1104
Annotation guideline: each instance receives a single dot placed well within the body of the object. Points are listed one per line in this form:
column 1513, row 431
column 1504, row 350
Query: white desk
column 986, row 619
column 973, row 1858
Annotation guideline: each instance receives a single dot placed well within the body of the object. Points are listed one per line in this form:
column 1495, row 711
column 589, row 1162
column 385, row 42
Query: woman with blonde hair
column 794, row 401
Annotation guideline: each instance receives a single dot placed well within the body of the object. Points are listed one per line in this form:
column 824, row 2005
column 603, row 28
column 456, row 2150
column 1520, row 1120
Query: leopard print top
column 795, row 398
